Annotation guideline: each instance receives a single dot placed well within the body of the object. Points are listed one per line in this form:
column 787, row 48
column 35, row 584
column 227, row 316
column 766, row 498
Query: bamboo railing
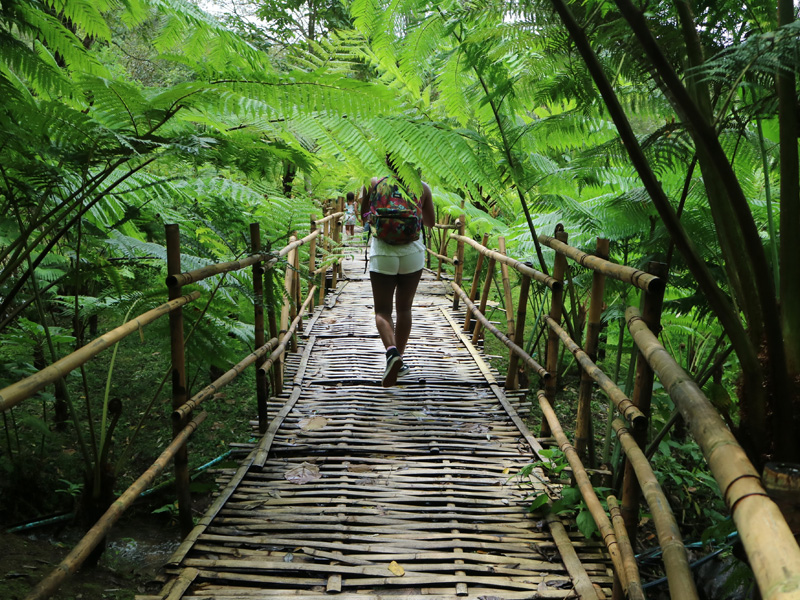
column 768, row 541
column 266, row 357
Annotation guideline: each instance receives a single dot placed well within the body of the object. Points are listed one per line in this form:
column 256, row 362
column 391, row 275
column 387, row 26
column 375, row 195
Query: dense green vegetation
column 671, row 130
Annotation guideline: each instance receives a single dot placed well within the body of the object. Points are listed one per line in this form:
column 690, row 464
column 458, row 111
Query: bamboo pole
column 584, row 440
column 676, row 562
column 178, row 376
column 257, row 356
column 446, row 225
column 276, row 374
column 73, row 561
column 328, row 217
column 442, row 246
column 616, row 395
column 640, row 279
column 180, row 279
column 298, row 242
column 17, row 392
column 519, row 333
column 442, row 258
column 459, row 264
column 336, row 224
column 641, row 397
column 516, row 350
column 275, row 356
column 773, row 552
column 475, row 282
column 312, row 257
column 511, row 262
column 631, row 568
column 487, row 286
column 297, row 294
column 501, row 242
column 258, row 306
column 288, row 286
column 587, row 491
column 556, row 308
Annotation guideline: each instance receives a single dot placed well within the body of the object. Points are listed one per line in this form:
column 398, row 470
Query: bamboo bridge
column 423, row 490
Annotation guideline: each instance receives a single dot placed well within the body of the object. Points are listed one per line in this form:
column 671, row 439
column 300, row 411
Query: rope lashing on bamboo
column 73, row 561
column 520, row 267
column 287, row 335
column 226, row 267
column 195, row 401
column 624, row 405
column 524, row 356
column 25, row 388
column 774, row 555
column 640, row 279
column 676, row 560
column 590, row 497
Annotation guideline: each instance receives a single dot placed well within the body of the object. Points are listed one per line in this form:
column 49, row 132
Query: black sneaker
column 394, row 362
column 404, row 370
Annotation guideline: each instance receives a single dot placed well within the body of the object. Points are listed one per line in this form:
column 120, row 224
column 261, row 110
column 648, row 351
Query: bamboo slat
column 25, row 388
column 511, row 262
column 770, row 545
column 640, row 279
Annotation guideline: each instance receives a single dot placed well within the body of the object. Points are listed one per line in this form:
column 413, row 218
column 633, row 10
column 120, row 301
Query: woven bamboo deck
column 410, row 490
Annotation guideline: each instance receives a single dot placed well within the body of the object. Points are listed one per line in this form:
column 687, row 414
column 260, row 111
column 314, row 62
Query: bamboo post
column 258, row 306
column 297, row 300
column 179, row 392
column 507, row 291
column 584, row 440
column 487, row 286
column 276, row 374
column 286, row 308
column 642, row 394
column 312, row 256
column 475, row 282
column 462, row 227
column 443, row 246
column 630, row 567
column 556, row 308
column 336, row 227
column 512, row 381
column 340, row 233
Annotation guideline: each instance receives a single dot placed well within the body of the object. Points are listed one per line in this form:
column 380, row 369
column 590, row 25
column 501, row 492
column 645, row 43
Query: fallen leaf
column 302, row 473
column 396, row 569
column 474, row 428
column 288, row 557
column 313, row 423
column 360, row 468
column 506, row 471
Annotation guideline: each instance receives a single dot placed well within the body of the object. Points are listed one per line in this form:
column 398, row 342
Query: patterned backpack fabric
column 395, row 216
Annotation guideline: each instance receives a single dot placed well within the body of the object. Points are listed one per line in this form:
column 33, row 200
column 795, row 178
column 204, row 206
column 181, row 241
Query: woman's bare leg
column 383, row 287
column 406, row 290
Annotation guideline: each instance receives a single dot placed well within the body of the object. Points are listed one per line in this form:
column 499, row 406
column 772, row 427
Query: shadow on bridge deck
column 370, row 493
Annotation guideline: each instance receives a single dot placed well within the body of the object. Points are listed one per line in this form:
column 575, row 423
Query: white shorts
column 397, row 265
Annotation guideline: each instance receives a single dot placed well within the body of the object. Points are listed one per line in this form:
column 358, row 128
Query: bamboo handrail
column 224, row 379
column 279, row 349
column 640, row 279
column 774, row 554
column 616, row 395
column 215, row 269
column 25, row 388
column 526, row 358
column 47, row 586
column 328, row 218
column 511, row 262
column 454, row 225
column 297, row 243
column 599, row 515
column 447, row 259
column 676, row 561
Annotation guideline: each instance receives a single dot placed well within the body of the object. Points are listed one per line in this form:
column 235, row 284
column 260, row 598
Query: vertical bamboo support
column 462, row 228
column 179, row 392
column 501, row 242
column 487, row 286
column 312, row 257
column 584, row 440
column 443, row 246
column 258, row 307
column 276, row 372
column 519, row 333
column 642, row 394
column 340, row 238
column 297, row 300
column 288, row 287
column 556, row 308
column 475, row 282
column 335, row 229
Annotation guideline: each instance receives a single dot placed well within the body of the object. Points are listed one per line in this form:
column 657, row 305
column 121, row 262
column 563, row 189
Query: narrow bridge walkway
column 368, row 493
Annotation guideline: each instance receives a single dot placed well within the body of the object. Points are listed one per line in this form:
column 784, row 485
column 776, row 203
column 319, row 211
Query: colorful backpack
column 395, row 216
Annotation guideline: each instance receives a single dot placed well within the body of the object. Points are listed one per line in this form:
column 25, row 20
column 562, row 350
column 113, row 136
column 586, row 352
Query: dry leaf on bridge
column 313, row 423
column 302, row 473
column 396, row 569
